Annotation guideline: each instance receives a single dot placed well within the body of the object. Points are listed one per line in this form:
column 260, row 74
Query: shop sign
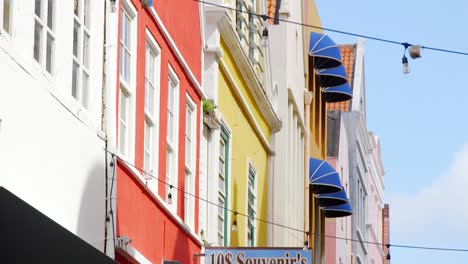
column 257, row 256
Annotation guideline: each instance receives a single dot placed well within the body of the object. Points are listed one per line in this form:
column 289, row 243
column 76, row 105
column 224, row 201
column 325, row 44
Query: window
column 172, row 128
column 125, row 45
column 223, row 187
column 81, row 41
column 152, row 66
column 5, row 15
column 124, row 101
column 251, row 206
column 126, row 119
column 190, row 128
column 44, row 37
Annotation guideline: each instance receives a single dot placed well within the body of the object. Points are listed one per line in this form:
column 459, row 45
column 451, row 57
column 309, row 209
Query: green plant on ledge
column 208, row 106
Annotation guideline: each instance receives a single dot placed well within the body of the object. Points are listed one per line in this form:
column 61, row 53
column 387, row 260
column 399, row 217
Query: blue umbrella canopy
column 332, row 199
column 323, row 178
column 324, row 50
column 337, row 93
column 338, row 211
column 332, row 76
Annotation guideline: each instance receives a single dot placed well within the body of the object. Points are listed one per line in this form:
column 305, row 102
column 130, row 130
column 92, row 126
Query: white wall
column 286, row 205
column 51, row 154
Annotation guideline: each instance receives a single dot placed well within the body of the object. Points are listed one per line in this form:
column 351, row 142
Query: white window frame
column 253, row 190
column 2, row 15
column 127, row 87
column 189, row 201
column 152, row 118
column 172, row 146
column 224, row 140
column 80, row 84
column 45, row 31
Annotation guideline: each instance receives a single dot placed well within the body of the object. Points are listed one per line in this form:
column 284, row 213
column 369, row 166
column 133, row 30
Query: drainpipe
column 109, row 75
column 307, row 101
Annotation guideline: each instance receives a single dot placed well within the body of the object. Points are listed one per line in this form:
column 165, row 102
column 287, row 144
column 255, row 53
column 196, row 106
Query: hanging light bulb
column 306, row 245
column 265, row 40
column 388, row 251
column 234, row 223
column 169, row 195
column 406, row 69
column 306, row 242
column 234, row 226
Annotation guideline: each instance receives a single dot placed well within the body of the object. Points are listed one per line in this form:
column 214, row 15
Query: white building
column 52, row 143
column 288, row 197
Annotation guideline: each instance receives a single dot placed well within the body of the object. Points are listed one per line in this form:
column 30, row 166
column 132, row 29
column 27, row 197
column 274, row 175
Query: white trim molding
column 129, row 252
column 252, row 82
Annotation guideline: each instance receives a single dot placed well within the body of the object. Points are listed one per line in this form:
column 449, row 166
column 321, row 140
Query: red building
column 158, row 115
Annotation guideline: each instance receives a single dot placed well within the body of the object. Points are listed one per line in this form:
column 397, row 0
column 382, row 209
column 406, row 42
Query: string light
column 335, row 30
column 169, row 195
column 289, row 227
column 234, row 223
column 306, row 241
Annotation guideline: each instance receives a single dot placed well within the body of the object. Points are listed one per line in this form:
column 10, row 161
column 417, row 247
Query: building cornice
column 246, row 69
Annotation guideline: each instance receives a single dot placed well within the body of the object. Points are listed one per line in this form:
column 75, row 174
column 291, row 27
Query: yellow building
column 250, row 119
column 240, row 127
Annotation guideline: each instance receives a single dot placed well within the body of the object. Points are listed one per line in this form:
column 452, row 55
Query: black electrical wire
column 263, row 16
column 288, row 227
column 111, row 212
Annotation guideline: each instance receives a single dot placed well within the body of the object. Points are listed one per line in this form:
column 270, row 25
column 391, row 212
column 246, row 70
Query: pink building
column 338, row 250
column 375, row 202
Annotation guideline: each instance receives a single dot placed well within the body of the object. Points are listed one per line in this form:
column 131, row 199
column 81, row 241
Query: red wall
column 154, row 234
column 182, row 20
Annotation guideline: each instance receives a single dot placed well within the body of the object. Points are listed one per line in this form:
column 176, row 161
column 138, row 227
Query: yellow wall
column 245, row 146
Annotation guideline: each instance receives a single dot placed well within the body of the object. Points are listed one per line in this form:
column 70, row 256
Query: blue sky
column 421, row 117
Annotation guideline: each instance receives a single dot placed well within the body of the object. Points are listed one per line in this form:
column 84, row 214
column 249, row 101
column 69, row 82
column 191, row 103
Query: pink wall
column 337, row 249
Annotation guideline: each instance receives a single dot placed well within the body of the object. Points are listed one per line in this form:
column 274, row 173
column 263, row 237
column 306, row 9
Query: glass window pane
column 127, row 65
column 86, row 49
column 84, row 92
column 127, row 31
column 220, row 226
column 221, row 207
column 75, row 80
column 50, row 14
column 86, row 16
column 6, row 15
column 37, row 41
column 76, row 30
column 170, row 132
column 221, row 186
column 123, row 123
column 168, row 168
column 37, row 8
column 49, row 55
column 222, row 149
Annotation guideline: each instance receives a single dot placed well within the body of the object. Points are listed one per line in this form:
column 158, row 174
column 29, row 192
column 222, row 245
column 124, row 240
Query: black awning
column 28, row 236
